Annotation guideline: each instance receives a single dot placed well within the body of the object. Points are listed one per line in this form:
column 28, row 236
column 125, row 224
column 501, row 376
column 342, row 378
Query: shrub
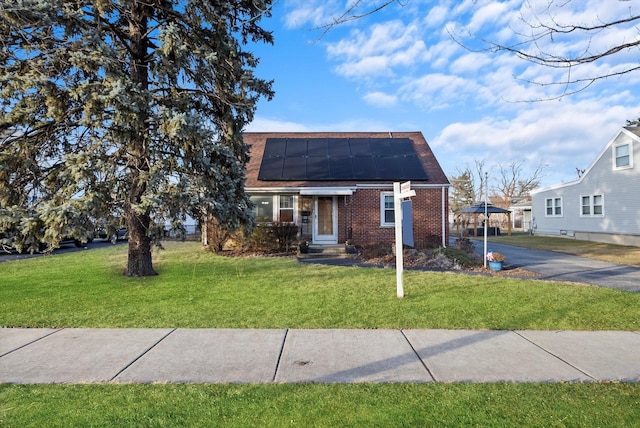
column 433, row 241
column 285, row 235
column 372, row 251
column 461, row 257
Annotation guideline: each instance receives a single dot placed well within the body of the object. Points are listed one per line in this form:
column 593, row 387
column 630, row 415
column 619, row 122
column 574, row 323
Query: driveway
column 565, row 267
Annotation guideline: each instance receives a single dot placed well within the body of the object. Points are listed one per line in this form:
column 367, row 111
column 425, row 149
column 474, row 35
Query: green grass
column 199, row 289
column 360, row 405
column 622, row 254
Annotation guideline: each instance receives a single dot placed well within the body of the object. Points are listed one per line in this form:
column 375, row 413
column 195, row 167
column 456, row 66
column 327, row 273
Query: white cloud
column 563, row 135
column 378, row 50
column 437, row 16
column 381, row 99
column 261, row 124
column 316, row 13
column 437, row 90
column 470, row 63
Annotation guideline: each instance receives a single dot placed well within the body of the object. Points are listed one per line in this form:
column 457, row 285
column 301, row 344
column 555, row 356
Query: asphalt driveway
column 565, row 267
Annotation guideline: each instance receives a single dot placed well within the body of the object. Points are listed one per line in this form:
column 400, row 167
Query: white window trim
column 294, row 203
column 275, row 202
column 613, row 156
column 592, row 205
column 382, row 209
column 582, row 214
column 553, row 214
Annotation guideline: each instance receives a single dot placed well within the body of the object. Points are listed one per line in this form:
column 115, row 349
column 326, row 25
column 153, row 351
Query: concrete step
column 324, row 251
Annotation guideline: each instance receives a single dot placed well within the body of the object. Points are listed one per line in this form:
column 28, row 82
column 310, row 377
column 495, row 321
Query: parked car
column 78, row 243
column 101, row 233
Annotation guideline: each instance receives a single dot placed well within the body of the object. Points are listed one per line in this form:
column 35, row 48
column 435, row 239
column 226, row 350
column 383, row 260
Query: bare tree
column 546, row 31
column 357, row 9
column 514, row 184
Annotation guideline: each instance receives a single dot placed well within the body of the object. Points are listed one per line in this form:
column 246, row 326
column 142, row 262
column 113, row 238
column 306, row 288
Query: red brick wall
column 359, row 217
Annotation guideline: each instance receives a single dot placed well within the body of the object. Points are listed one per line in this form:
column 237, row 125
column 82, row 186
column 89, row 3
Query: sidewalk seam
column 418, row 355
column 141, row 355
column 555, row 356
column 33, row 341
column 284, row 340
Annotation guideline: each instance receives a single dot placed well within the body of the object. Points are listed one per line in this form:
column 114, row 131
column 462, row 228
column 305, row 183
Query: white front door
column 325, row 220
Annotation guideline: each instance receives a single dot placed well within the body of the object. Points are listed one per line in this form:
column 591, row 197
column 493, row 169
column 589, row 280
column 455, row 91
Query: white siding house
column 603, row 205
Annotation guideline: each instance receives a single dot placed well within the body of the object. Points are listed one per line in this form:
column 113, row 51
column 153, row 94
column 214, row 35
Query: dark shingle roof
column 308, row 159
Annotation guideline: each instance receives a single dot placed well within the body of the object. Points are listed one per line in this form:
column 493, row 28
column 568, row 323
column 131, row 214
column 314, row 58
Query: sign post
column 400, row 192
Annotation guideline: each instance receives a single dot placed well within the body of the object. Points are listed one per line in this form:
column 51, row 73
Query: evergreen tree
column 462, row 193
column 125, row 110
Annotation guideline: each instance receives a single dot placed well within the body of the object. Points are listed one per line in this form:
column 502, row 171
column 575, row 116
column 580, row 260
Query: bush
column 285, row 235
column 433, row 241
column 461, row 257
column 465, row 245
column 372, row 251
column 274, row 237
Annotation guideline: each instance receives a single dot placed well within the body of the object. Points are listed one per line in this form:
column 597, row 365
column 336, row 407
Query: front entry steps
column 316, row 251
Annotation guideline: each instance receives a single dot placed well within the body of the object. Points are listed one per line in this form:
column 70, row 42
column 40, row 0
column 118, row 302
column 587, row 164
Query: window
column 598, row 205
column 263, row 208
column 553, row 207
column 286, row 208
column 387, row 214
column 586, row 205
column 622, row 156
column 592, row 206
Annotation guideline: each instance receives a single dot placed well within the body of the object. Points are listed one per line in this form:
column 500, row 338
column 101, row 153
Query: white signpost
column 400, row 192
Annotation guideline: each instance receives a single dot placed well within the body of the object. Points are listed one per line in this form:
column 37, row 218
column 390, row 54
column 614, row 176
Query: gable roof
column 319, row 159
column 632, row 131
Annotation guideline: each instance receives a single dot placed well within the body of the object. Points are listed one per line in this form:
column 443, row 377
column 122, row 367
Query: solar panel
column 330, row 159
column 318, row 147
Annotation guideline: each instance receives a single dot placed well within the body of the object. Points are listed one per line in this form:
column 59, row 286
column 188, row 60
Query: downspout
column 444, row 221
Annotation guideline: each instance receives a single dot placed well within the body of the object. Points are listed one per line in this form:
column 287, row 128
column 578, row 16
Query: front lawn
column 199, row 289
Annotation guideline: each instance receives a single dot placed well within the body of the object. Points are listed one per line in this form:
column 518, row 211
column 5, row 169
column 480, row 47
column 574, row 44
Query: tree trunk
column 139, row 262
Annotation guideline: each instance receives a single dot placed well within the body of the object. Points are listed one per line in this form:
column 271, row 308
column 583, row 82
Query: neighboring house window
column 622, row 156
column 598, row 205
column 592, row 205
column 286, row 208
column 553, row 207
column 263, row 208
column 387, row 214
column 586, row 205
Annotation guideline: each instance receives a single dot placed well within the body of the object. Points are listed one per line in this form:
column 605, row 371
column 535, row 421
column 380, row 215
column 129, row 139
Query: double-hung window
column 387, row 213
column 592, row 205
column 586, row 205
column 286, row 208
column 622, row 156
column 553, row 207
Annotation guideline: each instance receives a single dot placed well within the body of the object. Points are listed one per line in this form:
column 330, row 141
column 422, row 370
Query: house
column 521, row 218
column 338, row 186
column 603, row 205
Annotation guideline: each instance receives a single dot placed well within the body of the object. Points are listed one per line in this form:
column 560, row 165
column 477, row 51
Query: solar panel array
column 340, row 159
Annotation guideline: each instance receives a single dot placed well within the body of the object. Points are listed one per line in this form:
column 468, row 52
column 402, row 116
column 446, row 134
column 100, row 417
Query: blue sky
column 401, row 69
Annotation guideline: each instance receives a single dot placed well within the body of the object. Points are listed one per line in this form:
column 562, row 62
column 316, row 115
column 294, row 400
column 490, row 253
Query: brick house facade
column 354, row 200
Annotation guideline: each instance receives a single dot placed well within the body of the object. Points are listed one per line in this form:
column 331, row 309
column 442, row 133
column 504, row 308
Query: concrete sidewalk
column 34, row 356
